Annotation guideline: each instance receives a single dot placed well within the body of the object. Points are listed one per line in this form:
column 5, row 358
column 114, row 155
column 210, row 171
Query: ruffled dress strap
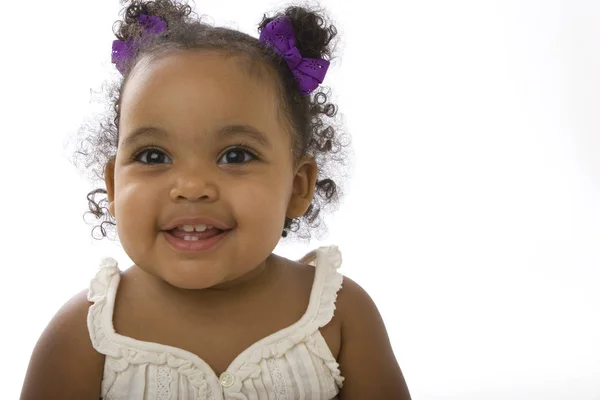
column 103, row 290
column 326, row 284
column 102, row 294
column 122, row 352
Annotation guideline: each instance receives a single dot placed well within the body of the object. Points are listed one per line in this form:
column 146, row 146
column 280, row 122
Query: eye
column 151, row 156
column 237, row 155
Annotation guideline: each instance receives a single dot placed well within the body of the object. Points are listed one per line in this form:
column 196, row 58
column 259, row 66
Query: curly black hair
column 312, row 119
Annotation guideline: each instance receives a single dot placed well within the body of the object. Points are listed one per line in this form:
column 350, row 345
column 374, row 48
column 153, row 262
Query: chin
column 192, row 275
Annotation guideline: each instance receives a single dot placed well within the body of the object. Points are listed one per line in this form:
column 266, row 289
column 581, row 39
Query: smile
column 185, row 241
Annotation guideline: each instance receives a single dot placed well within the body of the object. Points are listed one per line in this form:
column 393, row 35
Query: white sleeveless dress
column 293, row 363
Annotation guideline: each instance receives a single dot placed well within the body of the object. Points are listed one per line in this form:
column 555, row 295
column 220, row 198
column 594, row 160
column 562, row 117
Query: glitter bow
column 309, row 72
column 123, row 51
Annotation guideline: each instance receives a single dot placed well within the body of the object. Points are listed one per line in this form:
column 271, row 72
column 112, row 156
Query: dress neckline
column 308, row 318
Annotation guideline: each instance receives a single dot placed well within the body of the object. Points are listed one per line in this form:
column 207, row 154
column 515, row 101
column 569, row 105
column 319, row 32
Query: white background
column 473, row 217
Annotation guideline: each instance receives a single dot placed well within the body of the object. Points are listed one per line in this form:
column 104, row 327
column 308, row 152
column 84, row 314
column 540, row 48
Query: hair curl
column 311, row 119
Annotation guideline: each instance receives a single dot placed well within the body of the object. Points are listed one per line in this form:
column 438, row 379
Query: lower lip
column 191, row 246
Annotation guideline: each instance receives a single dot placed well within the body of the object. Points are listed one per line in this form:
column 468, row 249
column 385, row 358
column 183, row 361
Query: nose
column 193, row 187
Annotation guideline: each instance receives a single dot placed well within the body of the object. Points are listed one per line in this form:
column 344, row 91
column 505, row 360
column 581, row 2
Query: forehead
column 198, row 90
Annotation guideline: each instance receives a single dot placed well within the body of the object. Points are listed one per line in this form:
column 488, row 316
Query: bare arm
column 64, row 365
column 366, row 357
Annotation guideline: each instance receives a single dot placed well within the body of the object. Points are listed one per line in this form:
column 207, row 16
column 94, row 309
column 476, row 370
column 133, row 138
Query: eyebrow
column 226, row 131
column 245, row 130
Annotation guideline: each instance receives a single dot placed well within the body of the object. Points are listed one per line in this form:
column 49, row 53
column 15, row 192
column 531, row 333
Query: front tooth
column 192, row 238
column 188, row 228
column 201, row 227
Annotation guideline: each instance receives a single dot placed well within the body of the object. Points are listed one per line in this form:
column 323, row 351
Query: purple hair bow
column 309, row 72
column 122, row 52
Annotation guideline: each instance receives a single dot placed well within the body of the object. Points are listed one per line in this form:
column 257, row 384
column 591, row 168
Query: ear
column 109, row 181
column 303, row 187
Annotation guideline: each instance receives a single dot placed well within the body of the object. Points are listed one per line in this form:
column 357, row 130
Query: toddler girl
column 219, row 145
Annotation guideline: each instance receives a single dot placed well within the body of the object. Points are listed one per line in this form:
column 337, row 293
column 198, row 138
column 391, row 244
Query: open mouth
column 195, row 235
column 199, row 239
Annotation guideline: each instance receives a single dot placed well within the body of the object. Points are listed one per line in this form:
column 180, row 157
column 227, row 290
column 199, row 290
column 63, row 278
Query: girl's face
column 200, row 138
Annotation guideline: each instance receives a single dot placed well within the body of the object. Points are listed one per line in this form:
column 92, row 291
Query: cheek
column 133, row 206
column 264, row 201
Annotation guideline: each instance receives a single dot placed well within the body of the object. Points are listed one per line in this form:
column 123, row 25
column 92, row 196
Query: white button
column 226, row 379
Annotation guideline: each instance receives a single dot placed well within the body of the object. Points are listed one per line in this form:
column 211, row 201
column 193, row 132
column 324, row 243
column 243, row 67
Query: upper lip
column 196, row 220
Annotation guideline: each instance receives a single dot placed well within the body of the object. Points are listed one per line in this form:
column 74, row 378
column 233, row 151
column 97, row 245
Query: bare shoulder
column 64, row 363
column 299, row 281
column 366, row 357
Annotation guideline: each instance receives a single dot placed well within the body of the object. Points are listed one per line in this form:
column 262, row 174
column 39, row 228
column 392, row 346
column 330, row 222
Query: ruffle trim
column 97, row 294
column 330, row 259
column 320, row 349
column 121, row 355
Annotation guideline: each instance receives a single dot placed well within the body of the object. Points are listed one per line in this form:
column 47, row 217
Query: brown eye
column 236, row 155
column 152, row 156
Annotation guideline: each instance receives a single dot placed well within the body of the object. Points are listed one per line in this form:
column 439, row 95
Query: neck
column 255, row 277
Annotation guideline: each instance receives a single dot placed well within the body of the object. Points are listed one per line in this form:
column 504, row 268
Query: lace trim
column 164, row 379
column 278, row 381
